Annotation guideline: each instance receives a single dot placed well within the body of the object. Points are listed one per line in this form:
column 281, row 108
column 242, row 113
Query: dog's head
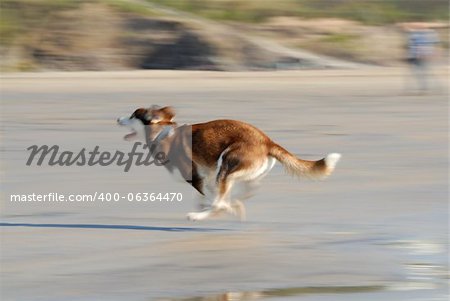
column 154, row 119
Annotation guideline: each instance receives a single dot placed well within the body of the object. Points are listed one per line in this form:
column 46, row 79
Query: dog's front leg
column 202, row 202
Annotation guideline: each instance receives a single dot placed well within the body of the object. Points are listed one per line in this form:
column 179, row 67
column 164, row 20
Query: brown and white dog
column 216, row 155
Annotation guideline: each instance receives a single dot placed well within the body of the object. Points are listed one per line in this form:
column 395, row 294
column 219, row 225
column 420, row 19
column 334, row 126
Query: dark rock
column 188, row 51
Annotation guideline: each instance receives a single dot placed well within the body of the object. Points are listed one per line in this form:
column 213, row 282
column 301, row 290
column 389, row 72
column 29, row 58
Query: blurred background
column 211, row 34
column 345, row 77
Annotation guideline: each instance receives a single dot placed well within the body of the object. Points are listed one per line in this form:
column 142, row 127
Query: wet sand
column 376, row 229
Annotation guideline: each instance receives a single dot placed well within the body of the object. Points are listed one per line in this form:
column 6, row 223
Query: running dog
column 216, row 155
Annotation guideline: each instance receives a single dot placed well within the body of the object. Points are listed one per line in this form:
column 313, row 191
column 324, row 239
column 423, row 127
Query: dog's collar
column 166, row 132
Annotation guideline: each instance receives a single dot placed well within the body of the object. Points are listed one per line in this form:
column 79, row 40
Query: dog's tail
column 312, row 169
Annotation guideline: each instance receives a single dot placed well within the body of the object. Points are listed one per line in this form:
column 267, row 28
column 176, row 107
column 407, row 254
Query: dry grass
column 368, row 12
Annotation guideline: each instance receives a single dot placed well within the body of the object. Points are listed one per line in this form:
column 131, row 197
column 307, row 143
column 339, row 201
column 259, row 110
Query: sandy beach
column 377, row 229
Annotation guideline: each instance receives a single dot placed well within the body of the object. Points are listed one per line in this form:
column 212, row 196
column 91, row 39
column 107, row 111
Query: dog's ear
column 169, row 113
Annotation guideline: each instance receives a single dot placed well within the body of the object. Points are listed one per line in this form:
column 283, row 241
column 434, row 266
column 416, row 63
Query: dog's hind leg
column 219, row 205
column 239, row 209
column 224, row 183
column 249, row 187
column 247, row 191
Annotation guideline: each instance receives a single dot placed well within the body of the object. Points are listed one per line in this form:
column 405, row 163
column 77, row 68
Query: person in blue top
column 421, row 47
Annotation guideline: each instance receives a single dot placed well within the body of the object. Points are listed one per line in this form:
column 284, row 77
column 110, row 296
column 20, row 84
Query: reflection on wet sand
column 285, row 292
column 419, row 263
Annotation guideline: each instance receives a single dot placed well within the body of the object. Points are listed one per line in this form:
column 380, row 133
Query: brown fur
column 243, row 149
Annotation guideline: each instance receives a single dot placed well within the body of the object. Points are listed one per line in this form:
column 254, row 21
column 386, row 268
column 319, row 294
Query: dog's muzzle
column 123, row 120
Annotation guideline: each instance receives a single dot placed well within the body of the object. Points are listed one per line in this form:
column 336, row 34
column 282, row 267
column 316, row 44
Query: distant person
column 422, row 43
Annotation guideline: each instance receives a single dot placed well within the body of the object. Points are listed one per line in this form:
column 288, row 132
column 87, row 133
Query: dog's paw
column 192, row 216
column 196, row 216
